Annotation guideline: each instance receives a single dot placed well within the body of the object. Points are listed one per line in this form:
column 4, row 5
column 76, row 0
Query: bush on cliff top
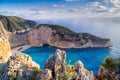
column 67, row 74
column 109, row 64
column 60, row 29
column 34, row 74
column 13, row 76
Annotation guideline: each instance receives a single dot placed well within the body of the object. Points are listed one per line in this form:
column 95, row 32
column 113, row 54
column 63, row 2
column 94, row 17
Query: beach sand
column 19, row 49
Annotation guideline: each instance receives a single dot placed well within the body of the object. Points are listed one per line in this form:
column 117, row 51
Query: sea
column 92, row 58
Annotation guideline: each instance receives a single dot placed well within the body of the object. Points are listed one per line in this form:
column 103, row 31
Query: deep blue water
column 91, row 58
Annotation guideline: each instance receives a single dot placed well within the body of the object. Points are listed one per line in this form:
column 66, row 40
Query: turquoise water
column 91, row 58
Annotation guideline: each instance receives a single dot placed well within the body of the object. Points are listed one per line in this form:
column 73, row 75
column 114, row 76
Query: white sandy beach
column 19, row 49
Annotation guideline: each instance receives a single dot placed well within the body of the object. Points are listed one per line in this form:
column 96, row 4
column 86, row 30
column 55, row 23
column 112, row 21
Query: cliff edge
column 62, row 37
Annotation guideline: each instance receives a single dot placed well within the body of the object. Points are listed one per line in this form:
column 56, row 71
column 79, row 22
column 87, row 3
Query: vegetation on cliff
column 109, row 64
column 60, row 29
column 13, row 23
column 109, row 70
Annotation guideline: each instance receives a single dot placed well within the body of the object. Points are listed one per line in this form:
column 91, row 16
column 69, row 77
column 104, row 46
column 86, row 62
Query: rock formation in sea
column 62, row 37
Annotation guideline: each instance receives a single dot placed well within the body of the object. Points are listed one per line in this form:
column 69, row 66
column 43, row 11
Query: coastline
column 19, row 49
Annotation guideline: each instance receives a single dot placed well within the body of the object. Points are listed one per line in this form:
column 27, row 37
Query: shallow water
column 91, row 58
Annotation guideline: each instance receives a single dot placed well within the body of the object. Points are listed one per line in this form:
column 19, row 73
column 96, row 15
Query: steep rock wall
column 43, row 34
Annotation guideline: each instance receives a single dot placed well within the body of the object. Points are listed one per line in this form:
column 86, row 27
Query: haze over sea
column 91, row 58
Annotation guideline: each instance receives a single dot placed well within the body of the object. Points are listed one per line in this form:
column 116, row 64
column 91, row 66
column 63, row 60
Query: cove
column 92, row 58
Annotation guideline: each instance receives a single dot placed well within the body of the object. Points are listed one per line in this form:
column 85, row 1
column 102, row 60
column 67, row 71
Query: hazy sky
column 60, row 9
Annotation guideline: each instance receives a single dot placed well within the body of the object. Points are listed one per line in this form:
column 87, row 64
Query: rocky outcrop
column 60, row 71
column 82, row 73
column 110, row 70
column 19, row 67
column 46, row 74
column 5, row 50
column 104, row 74
column 56, row 62
column 117, row 70
column 64, row 38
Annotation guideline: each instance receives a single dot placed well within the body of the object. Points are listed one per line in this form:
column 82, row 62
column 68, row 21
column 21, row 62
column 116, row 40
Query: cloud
column 36, row 9
column 103, row 9
column 58, row 6
column 109, row 7
column 115, row 3
column 71, row 0
column 97, row 7
column 73, row 10
column 7, row 12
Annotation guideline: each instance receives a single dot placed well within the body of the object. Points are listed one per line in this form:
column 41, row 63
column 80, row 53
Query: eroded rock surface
column 56, row 64
column 5, row 50
column 18, row 67
column 104, row 74
column 64, row 38
column 82, row 73
column 46, row 74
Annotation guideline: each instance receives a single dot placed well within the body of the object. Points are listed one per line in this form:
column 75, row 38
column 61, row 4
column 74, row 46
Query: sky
column 60, row 9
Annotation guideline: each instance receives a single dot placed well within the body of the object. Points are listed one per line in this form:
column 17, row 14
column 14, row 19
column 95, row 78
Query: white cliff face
column 18, row 40
column 40, row 36
column 46, row 35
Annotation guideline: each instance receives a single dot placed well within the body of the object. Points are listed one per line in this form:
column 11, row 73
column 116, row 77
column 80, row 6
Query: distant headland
column 27, row 32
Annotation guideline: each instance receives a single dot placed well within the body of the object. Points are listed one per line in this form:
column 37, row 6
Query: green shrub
column 13, row 76
column 34, row 74
column 67, row 74
column 109, row 64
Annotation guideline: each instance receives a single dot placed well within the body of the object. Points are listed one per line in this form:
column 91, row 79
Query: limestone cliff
column 64, row 38
column 5, row 50
column 18, row 40
column 20, row 66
